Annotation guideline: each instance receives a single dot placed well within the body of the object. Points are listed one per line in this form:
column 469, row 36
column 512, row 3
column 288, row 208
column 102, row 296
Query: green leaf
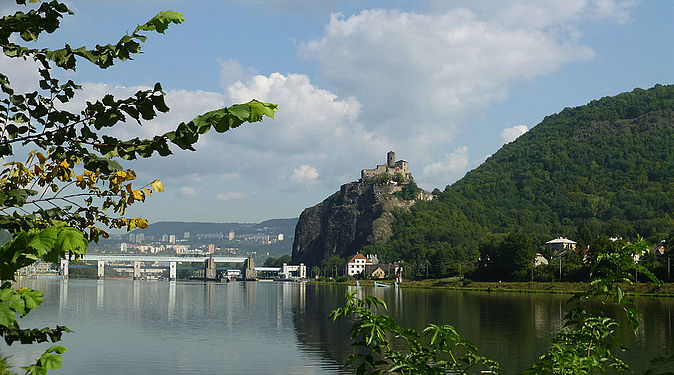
column 259, row 110
column 44, row 241
column 71, row 240
column 161, row 21
column 7, row 315
column 51, row 361
column 241, row 111
column 32, row 298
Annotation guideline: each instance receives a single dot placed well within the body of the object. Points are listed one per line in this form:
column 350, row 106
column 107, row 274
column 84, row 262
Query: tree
column 315, row 271
column 71, row 187
column 277, row 262
column 409, row 191
column 333, row 265
column 506, row 258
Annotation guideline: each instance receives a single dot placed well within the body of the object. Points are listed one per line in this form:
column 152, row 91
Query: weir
column 286, row 271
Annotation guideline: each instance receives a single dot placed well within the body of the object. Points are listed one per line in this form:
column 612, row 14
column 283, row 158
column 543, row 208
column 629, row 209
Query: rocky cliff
column 358, row 214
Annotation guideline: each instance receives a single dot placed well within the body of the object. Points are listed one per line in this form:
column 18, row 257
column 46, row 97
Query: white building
column 357, row 263
column 230, row 236
column 560, row 244
column 172, row 238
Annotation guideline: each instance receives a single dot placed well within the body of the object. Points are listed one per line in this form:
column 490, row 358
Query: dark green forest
column 602, row 169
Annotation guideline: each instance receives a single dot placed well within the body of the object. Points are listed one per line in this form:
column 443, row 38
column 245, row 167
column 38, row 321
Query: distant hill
column 605, row 168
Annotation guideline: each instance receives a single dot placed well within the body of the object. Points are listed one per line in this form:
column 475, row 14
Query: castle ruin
column 392, row 167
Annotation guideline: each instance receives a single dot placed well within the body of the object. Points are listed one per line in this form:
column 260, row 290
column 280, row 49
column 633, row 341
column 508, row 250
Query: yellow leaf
column 142, row 223
column 157, row 186
column 139, row 195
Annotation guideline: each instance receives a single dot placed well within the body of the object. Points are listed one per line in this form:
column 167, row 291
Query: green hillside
column 605, row 168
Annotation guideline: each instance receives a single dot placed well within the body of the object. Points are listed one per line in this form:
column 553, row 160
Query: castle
column 392, row 167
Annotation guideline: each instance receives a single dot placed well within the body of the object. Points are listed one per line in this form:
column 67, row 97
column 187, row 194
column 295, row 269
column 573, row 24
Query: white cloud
column 230, row 196
column 304, row 174
column 188, row 192
column 451, row 167
column 23, row 74
column 425, row 71
column 510, row 134
column 313, row 127
column 232, row 71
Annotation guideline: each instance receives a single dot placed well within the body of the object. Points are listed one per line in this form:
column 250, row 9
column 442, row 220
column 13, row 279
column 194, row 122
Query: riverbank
column 645, row 289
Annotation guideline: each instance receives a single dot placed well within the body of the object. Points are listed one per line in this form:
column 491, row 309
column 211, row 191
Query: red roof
column 357, row 256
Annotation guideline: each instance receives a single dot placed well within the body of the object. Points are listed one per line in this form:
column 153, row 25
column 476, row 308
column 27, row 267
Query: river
column 160, row 327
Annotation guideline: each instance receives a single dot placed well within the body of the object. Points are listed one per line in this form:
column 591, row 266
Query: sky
column 444, row 84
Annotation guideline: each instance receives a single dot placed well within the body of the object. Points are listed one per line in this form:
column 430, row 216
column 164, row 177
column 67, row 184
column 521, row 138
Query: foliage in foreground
column 69, row 190
column 587, row 344
column 438, row 349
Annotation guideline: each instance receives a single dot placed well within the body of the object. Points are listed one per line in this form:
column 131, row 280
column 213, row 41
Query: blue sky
column 442, row 83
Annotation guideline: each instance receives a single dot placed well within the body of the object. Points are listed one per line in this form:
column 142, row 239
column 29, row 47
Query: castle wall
column 367, row 173
column 391, row 167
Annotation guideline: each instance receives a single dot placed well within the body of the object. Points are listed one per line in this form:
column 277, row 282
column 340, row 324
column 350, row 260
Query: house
column 540, row 260
column 357, row 263
column 378, row 273
column 561, row 244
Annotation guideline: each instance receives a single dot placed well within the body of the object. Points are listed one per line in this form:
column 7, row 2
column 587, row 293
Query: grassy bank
column 646, row 289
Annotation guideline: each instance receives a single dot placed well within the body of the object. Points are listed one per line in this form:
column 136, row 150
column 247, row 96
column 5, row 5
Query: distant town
column 186, row 243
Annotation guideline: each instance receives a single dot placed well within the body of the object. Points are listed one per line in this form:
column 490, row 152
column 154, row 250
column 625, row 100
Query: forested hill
column 605, row 168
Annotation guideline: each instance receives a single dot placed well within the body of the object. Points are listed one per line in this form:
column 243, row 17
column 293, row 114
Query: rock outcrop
column 359, row 214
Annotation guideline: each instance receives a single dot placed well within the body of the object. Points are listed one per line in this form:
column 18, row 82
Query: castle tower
column 391, row 159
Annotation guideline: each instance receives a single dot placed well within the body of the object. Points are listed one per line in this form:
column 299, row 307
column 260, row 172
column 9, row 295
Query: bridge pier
column 101, row 269
column 64, row 268
column 172, row 271
column 136, row 270
column 209, row 269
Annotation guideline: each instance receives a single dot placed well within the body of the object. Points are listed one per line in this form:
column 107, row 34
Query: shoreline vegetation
column 638, row 289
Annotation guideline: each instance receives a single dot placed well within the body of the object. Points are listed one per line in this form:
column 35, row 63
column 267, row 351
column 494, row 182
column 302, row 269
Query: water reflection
column 183, row 328
column 63, row 294
column 171, row 306
column 100, row 293
column 514, row 329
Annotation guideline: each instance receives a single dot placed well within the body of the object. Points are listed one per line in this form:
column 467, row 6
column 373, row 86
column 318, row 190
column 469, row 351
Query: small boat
column 379, row 284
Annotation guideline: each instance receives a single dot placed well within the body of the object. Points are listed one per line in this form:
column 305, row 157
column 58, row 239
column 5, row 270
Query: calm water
column 148, row 327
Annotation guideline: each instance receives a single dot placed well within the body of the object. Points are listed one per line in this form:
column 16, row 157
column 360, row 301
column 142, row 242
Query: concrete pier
column 136, row 270
column 65, row 263
column 209, row 269
column 101, row 269
column 172, row 271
